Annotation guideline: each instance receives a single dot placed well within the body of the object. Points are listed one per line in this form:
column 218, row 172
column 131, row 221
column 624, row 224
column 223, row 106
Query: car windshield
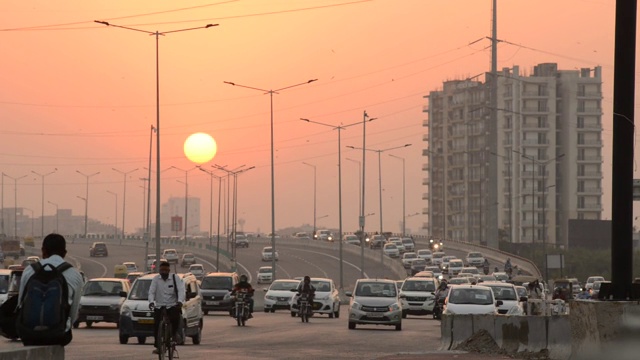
column 438, row 255
column 407, row 241
column 419, row 262
column 352, row 237
column 596, row 285
column 100, row 246
column 266, row 250
column 419, row 285
column 471, row 270
column 424, row 252
column 265, row 270
column 522, row 292
column 140, row 290
column 474, row 255
column 504, row 293
column 433, row 268
column 4, row 284
column 196, row 269
column 376, row 289
column 217, row 283
column 455, row 263
column 459, row 281
column 169, row 252
column 390, row 247
column 102, row 288
column 131, row 277
column 323, row 286
column 284, row 285
column 470, row 296
column 188, row 256
column 410, row 256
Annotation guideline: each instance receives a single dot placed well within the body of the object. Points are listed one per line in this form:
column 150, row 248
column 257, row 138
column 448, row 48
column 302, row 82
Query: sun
column 200, row 148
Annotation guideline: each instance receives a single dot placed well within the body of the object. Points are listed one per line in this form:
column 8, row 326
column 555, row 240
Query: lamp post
column 124, row 196
column 42, row 218
column 227, row 219
column 359, row 185
column 404, row 198
column 85, row 215
column 313, row 236
column 186, row 197
column 339, row 128
column 273, row 191
column 115, row 228
column 211, row 215
column 15, row 208
column 157, row 34
column 57, row 215
column 86, row 201
column 235, row 209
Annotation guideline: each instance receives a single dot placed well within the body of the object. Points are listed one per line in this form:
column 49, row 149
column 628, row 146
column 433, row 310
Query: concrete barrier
column 461, row 329
column 558, row 337
column 446, row 333
column 16, row 351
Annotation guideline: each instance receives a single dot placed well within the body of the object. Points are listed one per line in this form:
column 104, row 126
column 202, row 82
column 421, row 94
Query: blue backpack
column 44, row 306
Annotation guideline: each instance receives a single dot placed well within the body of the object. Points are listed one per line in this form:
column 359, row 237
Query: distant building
column 175, row 207
column 549, row 158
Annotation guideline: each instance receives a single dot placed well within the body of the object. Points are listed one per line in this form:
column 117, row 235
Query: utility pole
column 492, row 191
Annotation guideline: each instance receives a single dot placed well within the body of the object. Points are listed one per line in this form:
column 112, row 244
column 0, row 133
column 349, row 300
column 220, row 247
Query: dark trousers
column 42, row 342
column 174, row 317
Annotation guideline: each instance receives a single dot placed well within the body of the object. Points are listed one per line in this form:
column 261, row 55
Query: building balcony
column 589, row 127
column 590, row 174
column 539, row 110
column 589, row 94
column 590, row 143
column 589, row 111
column 590, row 207
column 425, row 211
column 592, row 159
column 425, row 196
column 425, row 122
column 425, row 166
column 535, row 94
column 425, row 137
column 535, row 142
column 425, row 108
column 590, row 191
column 425, row 181
column 535, row 126
column 425, row 226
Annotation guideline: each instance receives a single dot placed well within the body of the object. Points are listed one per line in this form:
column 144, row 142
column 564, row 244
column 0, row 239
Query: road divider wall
column 19, row 352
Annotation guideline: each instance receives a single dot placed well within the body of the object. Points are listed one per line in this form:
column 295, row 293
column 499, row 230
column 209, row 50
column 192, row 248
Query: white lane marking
column 285, row 271
column 333, row 257
column 310, row 263
column 205, row 261
column 246, row 271
column 104, row 273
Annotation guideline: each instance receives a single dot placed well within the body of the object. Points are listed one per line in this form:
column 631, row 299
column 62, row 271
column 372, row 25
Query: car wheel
column 331, row 315
column 399, row 327
column 142, row 340
column 76, row 324
column 404, row 315
column 293, row 314
column 206, row 312
column 124, row 339
column 352, row 325
column 89, row 323
column 337, row 313
column 273, row 311
column 266, row 310
column 198, row 337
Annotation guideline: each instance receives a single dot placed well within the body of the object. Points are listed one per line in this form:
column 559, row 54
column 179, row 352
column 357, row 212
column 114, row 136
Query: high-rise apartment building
column 549, row 158
column 175, row 207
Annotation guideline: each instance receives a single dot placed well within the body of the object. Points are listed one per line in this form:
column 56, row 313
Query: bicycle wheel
column 160, row 340
column 169, row 343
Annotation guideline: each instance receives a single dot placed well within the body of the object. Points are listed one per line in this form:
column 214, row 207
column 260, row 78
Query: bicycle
column 167, row 345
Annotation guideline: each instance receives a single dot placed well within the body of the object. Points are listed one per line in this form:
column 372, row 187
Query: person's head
column 243, row 278
column 307, row 280
column 54, row 244
column 165, row 269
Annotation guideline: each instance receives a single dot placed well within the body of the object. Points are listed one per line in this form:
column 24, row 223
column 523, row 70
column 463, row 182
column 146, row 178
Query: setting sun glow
column 200, row 148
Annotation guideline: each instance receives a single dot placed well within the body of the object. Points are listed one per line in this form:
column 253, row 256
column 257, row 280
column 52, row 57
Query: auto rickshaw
column 120, row 271
column 562, row 289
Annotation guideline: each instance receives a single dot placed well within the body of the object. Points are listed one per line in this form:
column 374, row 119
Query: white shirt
column 162, row 292
column 75, row 282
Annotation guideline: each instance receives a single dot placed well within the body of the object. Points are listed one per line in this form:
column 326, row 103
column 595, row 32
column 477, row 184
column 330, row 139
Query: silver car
column 375, row 302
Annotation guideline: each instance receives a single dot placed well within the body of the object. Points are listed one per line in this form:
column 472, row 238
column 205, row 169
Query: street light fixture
column 273, row 191
column 57, row 214
column 115, row 227
column 339, row 128
column 404, row 198
column 86, row 201
column 124, row 196
column 157, row 34
column 42, row 218
column 313, row 236
column 15, row 208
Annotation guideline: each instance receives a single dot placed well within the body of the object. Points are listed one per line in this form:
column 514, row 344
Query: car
column 375, row 302
column 523, row 294
column 425, row 254
column 459, row 281
column 446, row 259
column 471, row 270
column 326, row 300
column 136, row 319
column 241, row 241
column 418, row 265
column 508, row 294
column 151, row 259
column 216, row 290
column 101, row 301
column 98, row 249
column 278, row 295
column 377, row 242
column 399, row 244
column 197, row 270
column 37, row 258
column 437, row 258
column 475, row 259
column 590, row 280
column 324, row 235
column 471, row 299
column 391, row 250
column 424, row 274
column 268, row 254
column 575, row 286
column 171, row 255
column 27, row 262
column 131, row 266
column 408, row 244
column 351, row 240
column 501, row 276
column 408, row 258
column 482, row 278
column 5, row 280
column 132, row 276
column 302, row 236
column 437, row 272
column 419, row 297
column 187, row 260
column 264, row 275
column 471, row 277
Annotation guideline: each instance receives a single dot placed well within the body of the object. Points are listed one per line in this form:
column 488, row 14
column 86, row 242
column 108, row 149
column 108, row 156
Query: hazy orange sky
column 76, row 95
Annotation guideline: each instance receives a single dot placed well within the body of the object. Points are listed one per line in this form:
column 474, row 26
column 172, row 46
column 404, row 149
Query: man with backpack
column 49, row 296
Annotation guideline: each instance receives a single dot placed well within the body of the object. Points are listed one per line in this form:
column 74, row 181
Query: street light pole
column 42, row 217
column 31, row 211
column 115, row 228
column 124, row 196
column 85, row 215
column 273, row 196
column 211, row 215
column 313, row 236
column 186, row 197
column 86, row 201
column 157, row 34
column 404, row 198
column 359, row 185
column 15, row 208
column 57, row 215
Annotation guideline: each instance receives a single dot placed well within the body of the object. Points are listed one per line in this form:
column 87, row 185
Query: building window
column 580, row 122
column 580, row 139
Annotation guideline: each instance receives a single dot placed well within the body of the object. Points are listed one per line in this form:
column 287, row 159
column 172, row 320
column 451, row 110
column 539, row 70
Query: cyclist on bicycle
column 166, row 291
column 305, row 287
column 243, row 285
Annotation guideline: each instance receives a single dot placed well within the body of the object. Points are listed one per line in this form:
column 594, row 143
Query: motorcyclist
column 243, row 286
column 305, row 287
column 440, row 294
column 485, row 267
column 508, row 268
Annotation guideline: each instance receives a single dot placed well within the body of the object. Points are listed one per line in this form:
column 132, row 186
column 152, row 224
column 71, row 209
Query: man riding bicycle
column 169, row 292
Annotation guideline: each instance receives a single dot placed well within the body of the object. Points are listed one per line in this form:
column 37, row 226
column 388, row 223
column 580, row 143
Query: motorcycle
column 438, row 306
column 241, row 308
column 304, row 309
column 486, row 269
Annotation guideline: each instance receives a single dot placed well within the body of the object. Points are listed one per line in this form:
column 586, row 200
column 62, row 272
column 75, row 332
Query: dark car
column 98, row 249
column 241, row 241
column 188, row 259
column 216, row 290
column 418, row 265
column 101, row 301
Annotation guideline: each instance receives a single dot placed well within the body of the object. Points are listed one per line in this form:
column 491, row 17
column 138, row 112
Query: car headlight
column 394, row 307
column 114, row 306
column 269, row 297
column 125, row 311
column 356, row 306
column 227, row 296
column 323, row 297
column 330, row 238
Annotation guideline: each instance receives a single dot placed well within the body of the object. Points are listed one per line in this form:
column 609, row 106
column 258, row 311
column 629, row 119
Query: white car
column 408, row 244
column 437, row 258
column 391, row 250
column 351, row 240
column 279, row 294
column 399, row 244
column 471, row 270
column 419, row 297
column 590, row 280
column 407, row 259
column 131, row 266
column 197, row 270
column 508, row 294
column 268, row 254
column 171, row 255
column 324, row 235
column 453, row 267
column 437, row 272
column 475, row 259
column 326, row 300
column 425, row 254
column 471, row 299
column 264, row 275
column 5, row 277
column 501, row 276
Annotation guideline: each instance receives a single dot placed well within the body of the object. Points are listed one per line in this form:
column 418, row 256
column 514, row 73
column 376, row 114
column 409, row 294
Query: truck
column 11, row 248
